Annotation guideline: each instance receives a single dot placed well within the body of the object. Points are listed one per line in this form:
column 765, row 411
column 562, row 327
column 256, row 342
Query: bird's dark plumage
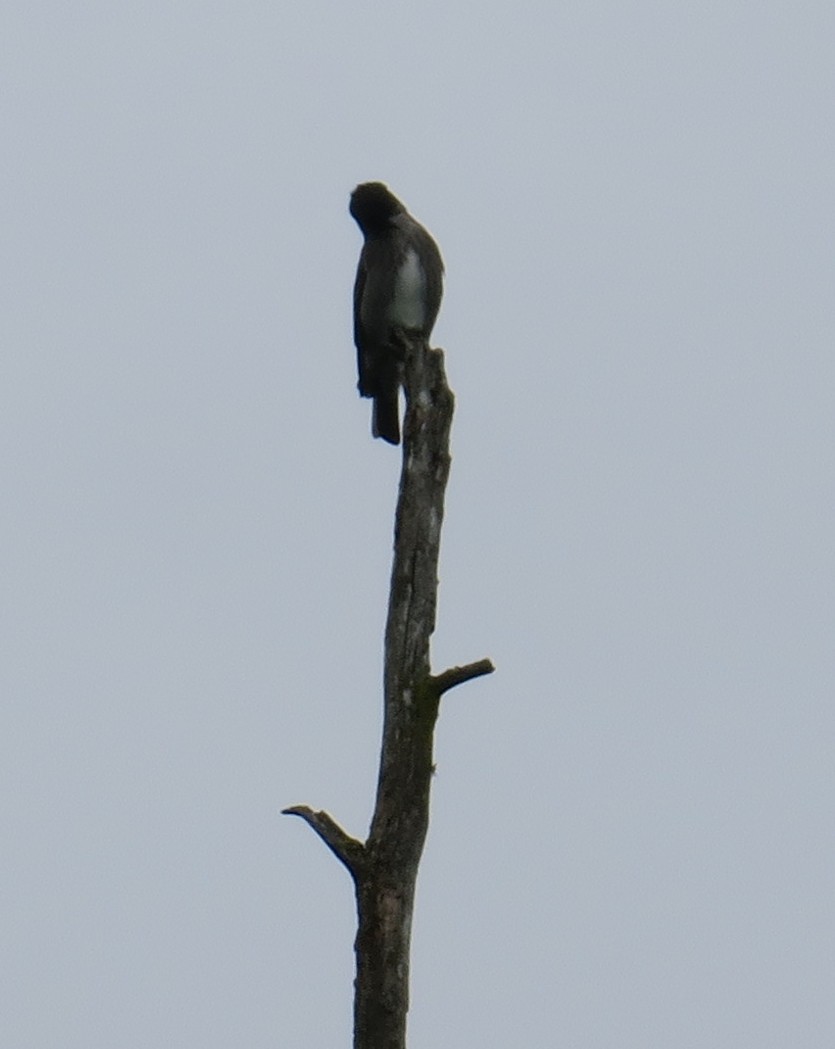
column 398, row 290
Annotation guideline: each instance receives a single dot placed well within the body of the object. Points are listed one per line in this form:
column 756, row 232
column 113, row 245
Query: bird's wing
column 359, row 287
column 360, row 337
column 372, row 293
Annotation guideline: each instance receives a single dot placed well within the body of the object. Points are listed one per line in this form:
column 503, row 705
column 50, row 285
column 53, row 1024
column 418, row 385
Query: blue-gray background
column 632, row 833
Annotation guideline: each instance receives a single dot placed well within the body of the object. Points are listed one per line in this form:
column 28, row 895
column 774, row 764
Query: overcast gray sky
column 632, row 833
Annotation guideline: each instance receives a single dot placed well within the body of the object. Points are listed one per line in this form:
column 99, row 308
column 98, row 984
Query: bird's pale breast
column 408, row 304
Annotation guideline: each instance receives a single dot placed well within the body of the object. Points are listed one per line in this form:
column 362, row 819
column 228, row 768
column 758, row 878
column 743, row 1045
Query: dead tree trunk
column 385, row 867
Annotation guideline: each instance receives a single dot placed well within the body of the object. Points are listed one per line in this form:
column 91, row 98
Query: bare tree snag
column 385, row 867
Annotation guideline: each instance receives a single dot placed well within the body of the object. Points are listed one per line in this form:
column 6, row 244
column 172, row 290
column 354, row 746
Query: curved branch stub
column 458, row 675
column 347, row 850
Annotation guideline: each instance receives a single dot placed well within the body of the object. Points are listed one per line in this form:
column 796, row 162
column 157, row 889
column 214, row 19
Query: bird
column 397, row 292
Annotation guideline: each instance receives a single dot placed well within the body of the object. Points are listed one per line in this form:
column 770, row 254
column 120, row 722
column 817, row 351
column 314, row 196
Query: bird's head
column 373, row 206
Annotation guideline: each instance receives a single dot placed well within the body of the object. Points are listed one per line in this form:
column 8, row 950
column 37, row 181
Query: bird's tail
column 385, row 421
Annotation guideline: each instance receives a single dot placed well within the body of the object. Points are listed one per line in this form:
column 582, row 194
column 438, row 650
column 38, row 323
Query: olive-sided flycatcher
column 398, row 290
